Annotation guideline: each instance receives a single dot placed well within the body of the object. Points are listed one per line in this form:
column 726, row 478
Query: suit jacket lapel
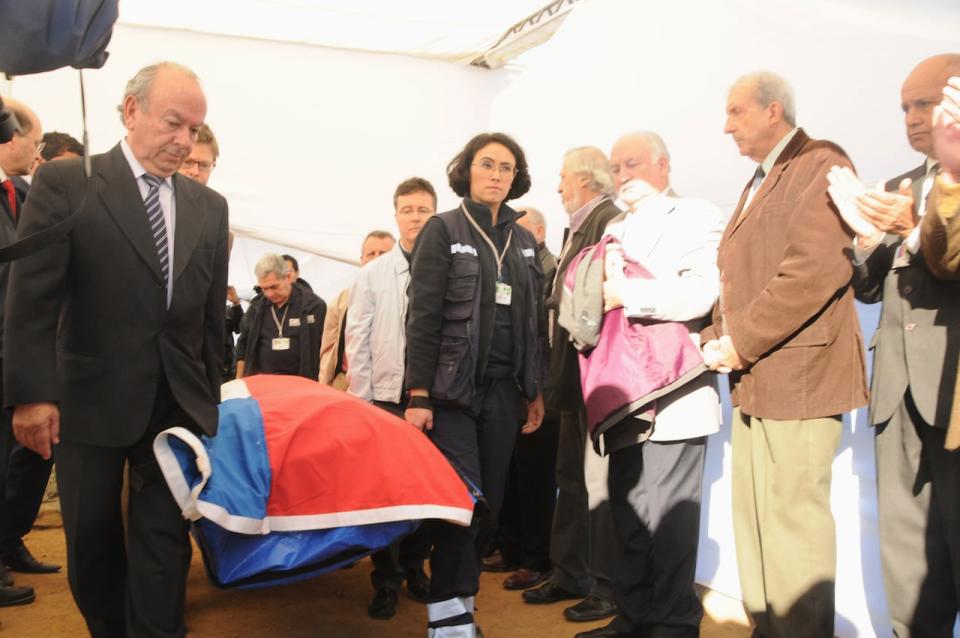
column 124, row 203
column 189, row 225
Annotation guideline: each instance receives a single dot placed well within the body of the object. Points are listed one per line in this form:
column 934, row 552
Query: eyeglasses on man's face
column 203, row 167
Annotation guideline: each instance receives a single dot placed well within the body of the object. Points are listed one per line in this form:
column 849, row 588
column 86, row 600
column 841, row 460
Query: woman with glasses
column 472, row 353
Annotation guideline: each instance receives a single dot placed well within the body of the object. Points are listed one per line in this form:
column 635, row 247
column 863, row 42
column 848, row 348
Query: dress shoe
column 591, row 608
column 418, row 585
column 496, row 563
column 5, row 578
column 548, row 592
column 384, row 604
column 10, row 595
column 21, row 560
column 600, row 632
column 524, row 579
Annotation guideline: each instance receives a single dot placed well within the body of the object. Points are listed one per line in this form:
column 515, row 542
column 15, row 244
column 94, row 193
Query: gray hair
column 654, row 143
column 591, row 162
column 535, row 216
column 769, row 88
column 140, row 84
column 271, row 263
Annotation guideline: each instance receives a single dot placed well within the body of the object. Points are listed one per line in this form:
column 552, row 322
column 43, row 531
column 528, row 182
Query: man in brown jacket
column 786, row 329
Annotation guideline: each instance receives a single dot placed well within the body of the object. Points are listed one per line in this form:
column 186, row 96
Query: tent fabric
column 302, row 478
column 437, row 29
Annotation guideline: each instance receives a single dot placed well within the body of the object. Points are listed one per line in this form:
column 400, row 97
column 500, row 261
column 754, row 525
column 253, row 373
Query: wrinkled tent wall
column 313, row 140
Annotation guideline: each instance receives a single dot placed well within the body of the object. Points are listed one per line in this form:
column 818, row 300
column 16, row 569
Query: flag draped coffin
column 302, row 479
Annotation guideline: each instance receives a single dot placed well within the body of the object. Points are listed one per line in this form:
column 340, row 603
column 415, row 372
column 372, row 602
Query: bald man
column 914, row 375
column 20, row 500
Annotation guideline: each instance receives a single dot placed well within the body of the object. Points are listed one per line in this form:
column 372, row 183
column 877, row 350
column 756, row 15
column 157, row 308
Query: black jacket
column 450, row 317
column 563, row 376
column 313, row 311
column 8, row 234
column 87, row 323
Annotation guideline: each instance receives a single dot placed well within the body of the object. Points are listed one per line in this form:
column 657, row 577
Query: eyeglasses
column 491, row 166
column 203, row 167
column 40, row 147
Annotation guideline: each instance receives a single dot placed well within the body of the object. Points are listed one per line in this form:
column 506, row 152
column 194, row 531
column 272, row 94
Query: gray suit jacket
column 917, row 341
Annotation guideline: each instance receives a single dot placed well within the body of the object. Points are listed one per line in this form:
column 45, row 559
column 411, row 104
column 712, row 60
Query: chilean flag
column 302, row 479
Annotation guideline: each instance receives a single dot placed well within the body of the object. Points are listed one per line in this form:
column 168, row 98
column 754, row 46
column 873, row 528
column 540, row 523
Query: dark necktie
column 157, row 226
column 11, row 196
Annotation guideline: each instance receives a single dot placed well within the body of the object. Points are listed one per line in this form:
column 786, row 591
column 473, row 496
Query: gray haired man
column 280, row 332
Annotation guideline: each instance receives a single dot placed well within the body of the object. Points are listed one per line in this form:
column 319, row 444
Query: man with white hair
column 786, row 329
column 583, row 544
column 656, row 468
column 114, row 334
column 280, row 332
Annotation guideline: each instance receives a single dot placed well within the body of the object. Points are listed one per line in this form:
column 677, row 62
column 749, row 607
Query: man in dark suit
column 23, row 484
column 16, row 158
column 114, row 334
column 583, row 543
column 914, row 376
column 786, row 327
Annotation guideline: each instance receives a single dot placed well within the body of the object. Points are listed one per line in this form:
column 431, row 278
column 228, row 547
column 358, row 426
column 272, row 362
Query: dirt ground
column 331, row 605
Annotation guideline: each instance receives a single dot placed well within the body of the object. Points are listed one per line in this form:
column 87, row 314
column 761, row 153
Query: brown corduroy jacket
column 785, row 298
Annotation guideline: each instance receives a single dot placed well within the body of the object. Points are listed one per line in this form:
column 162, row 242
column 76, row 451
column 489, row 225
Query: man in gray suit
column 914, row 371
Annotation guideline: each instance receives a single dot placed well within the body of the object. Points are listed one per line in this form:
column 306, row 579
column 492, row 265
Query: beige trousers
column 783, row 527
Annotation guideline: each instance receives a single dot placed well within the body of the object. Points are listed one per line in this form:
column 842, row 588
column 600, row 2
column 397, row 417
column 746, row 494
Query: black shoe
column 5, row 578
column 21, row 560
column 10, row 595
column 384, row 604
column 548, row 592
column 600, row 632
column 591, row 608
column 418, row 585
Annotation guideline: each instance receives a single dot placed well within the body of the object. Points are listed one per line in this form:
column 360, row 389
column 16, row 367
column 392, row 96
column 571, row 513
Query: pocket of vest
column 461, row 288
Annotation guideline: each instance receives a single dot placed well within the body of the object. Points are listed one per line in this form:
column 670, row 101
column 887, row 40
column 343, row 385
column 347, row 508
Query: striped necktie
column 158, row 228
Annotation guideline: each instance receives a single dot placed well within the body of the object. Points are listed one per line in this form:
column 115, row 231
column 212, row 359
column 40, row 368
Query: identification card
column 901, row 258
column 294, row 322
column 311, row 319
column 504, row 291
column 280, row 343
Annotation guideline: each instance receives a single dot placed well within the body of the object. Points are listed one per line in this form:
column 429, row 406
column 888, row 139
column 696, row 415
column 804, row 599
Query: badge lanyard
column 504, row 292
column 279, row 322
column 499, row 256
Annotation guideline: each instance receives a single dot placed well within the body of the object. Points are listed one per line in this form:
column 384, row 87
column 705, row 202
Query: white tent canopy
column 315, row 138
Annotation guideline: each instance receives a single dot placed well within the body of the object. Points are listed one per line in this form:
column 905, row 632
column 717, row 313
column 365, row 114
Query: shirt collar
column 929, row 165
column 3, row 176
column 135, row 165
column 771, row 158
column 580, row 215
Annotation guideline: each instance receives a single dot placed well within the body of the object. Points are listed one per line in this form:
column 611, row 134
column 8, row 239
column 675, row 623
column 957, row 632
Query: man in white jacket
column 656, row 471
column 375, row 347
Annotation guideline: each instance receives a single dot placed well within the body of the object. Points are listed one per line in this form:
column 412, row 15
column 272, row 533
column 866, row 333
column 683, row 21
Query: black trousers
column 23, row 481
column 655, row 498
column 391, row 564
column 26, row 482
column 918, row 499
column 526, row 518
column 134, row 586
column 584, row 547
column 478, row 443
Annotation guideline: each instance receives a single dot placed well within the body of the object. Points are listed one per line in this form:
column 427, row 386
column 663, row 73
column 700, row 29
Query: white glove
column 844, row 189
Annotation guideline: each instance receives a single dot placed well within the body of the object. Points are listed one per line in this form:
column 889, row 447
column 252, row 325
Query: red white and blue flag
column 302, row 479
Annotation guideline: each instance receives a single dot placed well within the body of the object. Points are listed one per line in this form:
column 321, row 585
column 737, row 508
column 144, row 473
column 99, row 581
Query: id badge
column 280, row 343
column 504, row 291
